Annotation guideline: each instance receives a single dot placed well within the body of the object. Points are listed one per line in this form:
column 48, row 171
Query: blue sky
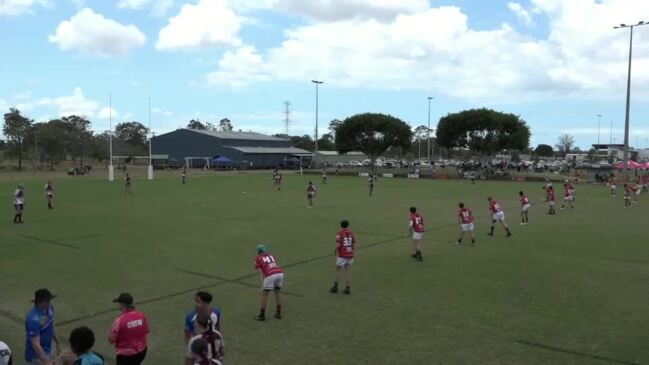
column 557, row 63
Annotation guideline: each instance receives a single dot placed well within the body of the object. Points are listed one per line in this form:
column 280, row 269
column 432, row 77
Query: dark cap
column 124, row 298
column 43, row 295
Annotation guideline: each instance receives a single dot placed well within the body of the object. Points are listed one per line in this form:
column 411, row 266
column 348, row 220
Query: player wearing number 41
column 345, row 247
column 417, row 230
column 497, row 215
column 525, row 208
column 272, row 277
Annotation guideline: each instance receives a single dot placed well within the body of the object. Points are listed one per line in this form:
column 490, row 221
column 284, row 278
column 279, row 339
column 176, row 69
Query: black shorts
column 19, row 207
column 136, row 359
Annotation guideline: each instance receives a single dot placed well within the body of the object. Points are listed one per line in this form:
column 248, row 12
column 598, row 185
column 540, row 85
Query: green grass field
column 567, row 289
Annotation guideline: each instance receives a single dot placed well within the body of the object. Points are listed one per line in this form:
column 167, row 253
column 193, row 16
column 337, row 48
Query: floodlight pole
column 430, row 99
column 625, row 171
column 111, row 170
column 150, row 170
column 317, row 85
column 599, row 125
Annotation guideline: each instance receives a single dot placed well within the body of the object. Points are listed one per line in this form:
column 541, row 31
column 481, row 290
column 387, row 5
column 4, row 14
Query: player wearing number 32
column 345, row 247
column 273, row 279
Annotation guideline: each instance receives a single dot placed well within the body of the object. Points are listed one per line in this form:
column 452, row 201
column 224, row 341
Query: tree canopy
column 133, row 133
column 226, row 125
column 373, row 134
column 483, row 131
column 16, row 128
column 544, row 150
column 565, row 144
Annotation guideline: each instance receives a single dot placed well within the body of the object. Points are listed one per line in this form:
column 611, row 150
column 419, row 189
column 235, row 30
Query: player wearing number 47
column 345, row 247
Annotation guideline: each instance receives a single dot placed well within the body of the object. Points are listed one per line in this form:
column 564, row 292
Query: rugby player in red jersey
column 525, row 207
column 310, row 193
column 345, row 247
column 272, row 277
column 567, row 197
column 627, row 196
column 550, row 200
column 497, row 215
column 417, row 230
column 466, row 219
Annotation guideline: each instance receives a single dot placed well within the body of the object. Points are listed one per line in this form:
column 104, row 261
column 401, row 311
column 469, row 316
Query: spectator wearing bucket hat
column 40, row 330
column 129, row 332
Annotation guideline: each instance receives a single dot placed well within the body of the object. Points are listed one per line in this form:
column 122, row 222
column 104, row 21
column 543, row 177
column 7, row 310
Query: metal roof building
column 244, row 148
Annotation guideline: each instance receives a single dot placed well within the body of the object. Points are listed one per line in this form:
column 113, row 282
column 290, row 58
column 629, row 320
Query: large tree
column 16, row 128
column 483, row 131
column 305, row 142
column 326, row 142
column 52, row 139
column 333, row 125
column 133, row 133
column 544, row 150
column 78, row 136
column 565, row 144
column 373, row 134
column 420, row 135
column 226, row 125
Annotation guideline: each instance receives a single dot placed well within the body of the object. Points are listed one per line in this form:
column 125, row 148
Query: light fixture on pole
column 599, row 126
column 111, row 170
column 317, row 85
column 430, row 99
column 625, row 170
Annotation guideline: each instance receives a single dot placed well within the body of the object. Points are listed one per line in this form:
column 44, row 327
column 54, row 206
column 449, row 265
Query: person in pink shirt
column 129, row 332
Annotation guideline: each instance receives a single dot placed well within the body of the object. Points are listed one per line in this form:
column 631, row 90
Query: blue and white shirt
column 190, row 321
column 39, row 323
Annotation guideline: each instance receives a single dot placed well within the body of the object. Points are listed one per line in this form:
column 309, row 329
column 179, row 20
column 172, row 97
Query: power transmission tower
column 287, row 116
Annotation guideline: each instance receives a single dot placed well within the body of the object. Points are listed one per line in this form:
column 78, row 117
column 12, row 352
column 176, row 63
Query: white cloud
column 331, row 10
column 239, row 68
column 521, row 13
column 159, row 7
column 158, row 111
column 107, row 113
column 18, row 7
column 207, row 23
column 92, row 33
column 4, row 106
column 74, row 104
column 436, row 50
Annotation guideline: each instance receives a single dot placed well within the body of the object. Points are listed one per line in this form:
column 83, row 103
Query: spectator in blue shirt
column 203, row 305
column 82, row 340
column 40, row 331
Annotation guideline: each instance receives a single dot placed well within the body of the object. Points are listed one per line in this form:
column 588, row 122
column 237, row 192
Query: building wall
column 184, row 143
